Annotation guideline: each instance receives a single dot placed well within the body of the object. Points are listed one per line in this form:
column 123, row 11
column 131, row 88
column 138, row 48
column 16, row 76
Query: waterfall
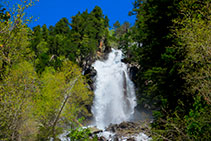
column 115, row 99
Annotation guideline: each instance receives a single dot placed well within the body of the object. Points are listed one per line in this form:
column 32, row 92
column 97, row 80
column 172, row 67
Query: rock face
column 133, row 71
column 90, row 73
column 86, row 65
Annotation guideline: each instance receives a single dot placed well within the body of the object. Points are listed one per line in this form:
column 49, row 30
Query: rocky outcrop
column 90, row 73
column 88, row 70
column 133, row 72
column 129, row 129
column 132, row 69
column 95, row 130
column 124, row 131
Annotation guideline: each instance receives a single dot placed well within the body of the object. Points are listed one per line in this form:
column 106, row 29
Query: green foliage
column 78, row 43
column 17, row 92
column 14, row 46
column 4, row 16
column 18, row 80
column 14, row 37
column 88, row 30
column 152, row 34
column 61, row 88
column 53, row 48
column 195, row 37
column 121, row 37
column 62, row 27
column 195, row 68
column 81, row 134
column 41, row 97
column 193, row 126
column 174, row 74
column 198, row 120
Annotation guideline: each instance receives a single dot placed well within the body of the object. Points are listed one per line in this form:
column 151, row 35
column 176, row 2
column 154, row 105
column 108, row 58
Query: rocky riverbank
column 125, row 131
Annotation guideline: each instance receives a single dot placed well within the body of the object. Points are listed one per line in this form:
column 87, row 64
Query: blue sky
column 51, row 11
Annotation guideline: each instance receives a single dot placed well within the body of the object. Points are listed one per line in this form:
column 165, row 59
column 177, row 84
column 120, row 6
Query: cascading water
column 115, row 99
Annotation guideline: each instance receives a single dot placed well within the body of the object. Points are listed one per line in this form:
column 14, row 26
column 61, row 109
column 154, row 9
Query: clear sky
column 51, row 11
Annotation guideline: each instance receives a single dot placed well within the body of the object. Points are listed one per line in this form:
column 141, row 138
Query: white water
column 115, row 99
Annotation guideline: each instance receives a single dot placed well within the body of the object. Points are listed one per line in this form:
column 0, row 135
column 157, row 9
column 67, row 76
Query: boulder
column 95, row 130
column 131, row 139
column 102, row 138
column 127, row 129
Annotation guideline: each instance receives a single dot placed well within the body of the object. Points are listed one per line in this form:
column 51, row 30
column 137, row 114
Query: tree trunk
column 62, row 107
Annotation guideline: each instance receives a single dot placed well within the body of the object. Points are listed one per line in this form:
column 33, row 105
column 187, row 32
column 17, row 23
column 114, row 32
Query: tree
column 42, row 95
column 195, row 69
column 64, row 96
column 37, row 38
column 62, row 27
column 175, row 70
column 88, row 31
column 16, row 94
column 14, row 36
column 158, row 73
column 116, row 25
column 45, row 32
column 195, row 38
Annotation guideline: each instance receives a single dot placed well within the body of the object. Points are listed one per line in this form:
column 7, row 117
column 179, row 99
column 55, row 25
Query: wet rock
column 95, row 130
column 129, row 129
column 86, row 64
column 115, row 138
column 123, row 125
column 102, row 138
column 131, row 139
column 111, row 128
column 90, row 73
column 106, row 51
column 133, row 71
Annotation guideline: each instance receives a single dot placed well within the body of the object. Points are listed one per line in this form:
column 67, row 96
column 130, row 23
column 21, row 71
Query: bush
column 80, row 134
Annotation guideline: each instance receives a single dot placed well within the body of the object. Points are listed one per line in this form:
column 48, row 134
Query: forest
column 45, row 87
